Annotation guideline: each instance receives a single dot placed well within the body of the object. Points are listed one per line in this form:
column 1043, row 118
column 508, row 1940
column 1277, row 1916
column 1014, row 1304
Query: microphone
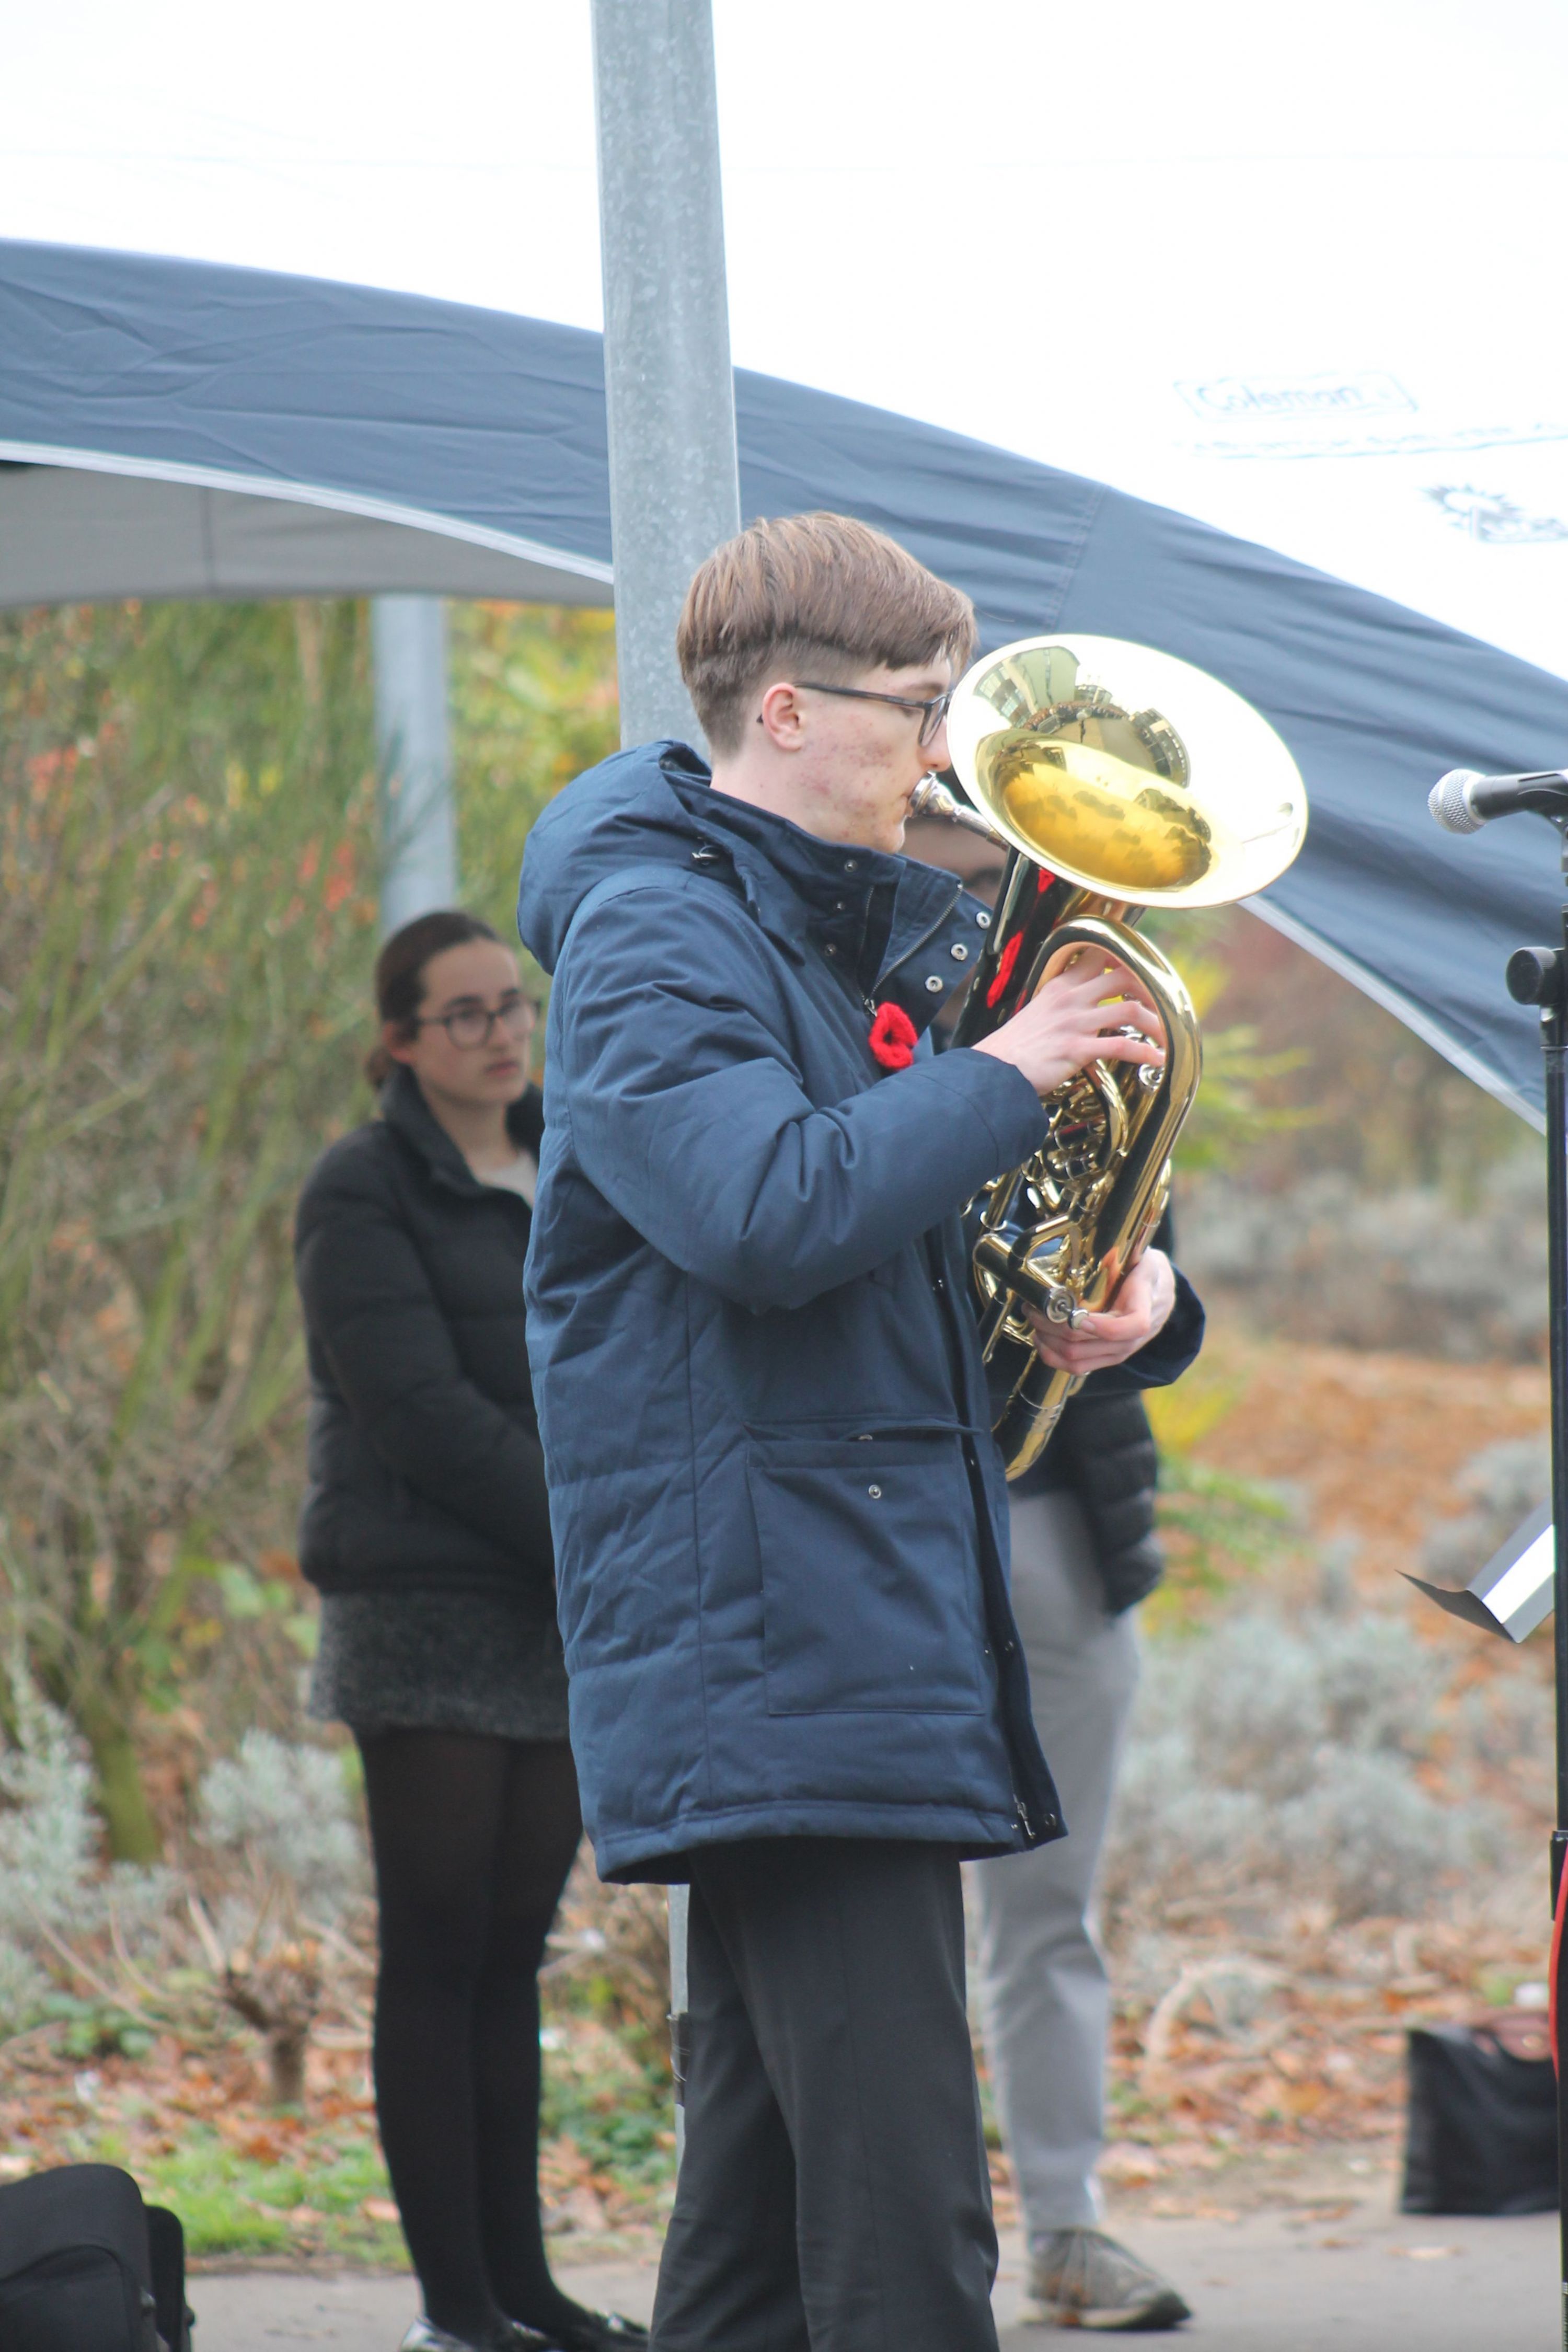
column 1462, row 800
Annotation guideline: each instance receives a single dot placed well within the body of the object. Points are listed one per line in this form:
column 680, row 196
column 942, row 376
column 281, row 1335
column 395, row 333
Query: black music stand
column 1539, row 976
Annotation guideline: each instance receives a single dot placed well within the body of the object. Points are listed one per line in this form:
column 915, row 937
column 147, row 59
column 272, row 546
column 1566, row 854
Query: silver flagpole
column 669, row 393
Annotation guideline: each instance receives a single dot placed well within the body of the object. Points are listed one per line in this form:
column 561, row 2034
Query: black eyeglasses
column 933, row 712
column 470, row 1026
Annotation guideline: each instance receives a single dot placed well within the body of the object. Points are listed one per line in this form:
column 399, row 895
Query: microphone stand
column 1539, row 976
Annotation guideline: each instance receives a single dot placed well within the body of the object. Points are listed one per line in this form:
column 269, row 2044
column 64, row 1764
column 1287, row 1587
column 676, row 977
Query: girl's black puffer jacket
column 426, row 1471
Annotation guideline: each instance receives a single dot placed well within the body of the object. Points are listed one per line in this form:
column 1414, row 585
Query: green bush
column 187, row 907
column 188, row 916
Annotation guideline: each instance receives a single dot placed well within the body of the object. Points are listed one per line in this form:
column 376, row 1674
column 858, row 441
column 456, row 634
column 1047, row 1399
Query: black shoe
column 511, row 2336
column 598, row 2331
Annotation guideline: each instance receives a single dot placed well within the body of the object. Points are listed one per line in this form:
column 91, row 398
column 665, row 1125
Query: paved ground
column 1267, row 2283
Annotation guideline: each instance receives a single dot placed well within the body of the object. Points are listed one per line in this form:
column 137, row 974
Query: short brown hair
column 809, row 592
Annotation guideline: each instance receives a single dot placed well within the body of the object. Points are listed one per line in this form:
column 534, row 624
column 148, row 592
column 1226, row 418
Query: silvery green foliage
column 48, row 1835
column 50, row 1874
column 285, row 1806
column 1326, row 1261
column 1382, row 1842
column 1501, row 1485
column 1509, row 1722
column 1269, row 1757
column 23, row 1986
column 1510, row 1477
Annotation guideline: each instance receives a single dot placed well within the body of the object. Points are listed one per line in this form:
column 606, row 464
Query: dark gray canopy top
column 173, row 428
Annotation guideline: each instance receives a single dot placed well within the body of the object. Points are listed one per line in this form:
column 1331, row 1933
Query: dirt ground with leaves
column 163, row 2075
column 1259, row 2040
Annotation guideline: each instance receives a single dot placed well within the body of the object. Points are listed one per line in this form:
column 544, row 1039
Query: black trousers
column 834, row 2195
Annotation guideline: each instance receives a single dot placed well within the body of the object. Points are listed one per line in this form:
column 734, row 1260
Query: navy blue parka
column 780, row 1520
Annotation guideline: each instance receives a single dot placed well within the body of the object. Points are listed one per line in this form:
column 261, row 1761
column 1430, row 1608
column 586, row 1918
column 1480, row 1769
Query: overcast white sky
column 1298, row 271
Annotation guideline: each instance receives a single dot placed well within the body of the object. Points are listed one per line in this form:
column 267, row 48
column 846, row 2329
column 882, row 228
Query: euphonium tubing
column 1064, row 748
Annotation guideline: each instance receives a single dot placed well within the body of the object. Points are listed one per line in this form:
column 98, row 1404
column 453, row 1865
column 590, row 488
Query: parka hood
column 625, row 811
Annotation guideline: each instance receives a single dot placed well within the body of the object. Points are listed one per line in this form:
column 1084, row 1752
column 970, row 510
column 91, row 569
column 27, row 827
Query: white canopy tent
column 81, row 529
column 1218, row 282
column 1294, row 276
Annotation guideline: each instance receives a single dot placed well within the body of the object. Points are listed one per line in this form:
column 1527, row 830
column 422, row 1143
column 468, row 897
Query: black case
column 86, row 2267
column 1483, row 2119
column 166, row 2244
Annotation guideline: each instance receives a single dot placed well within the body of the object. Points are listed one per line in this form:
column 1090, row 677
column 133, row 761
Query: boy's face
column 855, row 764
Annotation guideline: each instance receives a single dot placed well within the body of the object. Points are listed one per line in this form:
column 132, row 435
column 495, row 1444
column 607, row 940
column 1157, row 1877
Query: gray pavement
column 1367, row 2281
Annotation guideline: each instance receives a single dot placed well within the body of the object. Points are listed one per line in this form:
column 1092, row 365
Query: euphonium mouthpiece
column 932, row 798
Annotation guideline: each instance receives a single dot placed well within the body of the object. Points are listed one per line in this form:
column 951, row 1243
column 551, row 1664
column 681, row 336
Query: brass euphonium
column 1065, row 748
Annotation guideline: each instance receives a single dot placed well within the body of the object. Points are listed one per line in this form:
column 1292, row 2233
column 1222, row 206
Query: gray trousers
column 1045, row 1998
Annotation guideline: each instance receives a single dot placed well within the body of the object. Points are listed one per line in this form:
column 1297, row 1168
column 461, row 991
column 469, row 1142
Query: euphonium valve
column 1121, row 779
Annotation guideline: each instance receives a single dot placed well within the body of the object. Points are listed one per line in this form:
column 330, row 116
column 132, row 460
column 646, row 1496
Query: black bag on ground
column 166, row 2244
column 1483, row 2119
column 86, row 2267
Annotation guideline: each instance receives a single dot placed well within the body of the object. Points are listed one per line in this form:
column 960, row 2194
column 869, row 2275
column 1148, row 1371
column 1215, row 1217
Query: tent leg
column 414, row 758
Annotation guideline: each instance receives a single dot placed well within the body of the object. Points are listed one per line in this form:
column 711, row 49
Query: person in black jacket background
column 426, row 1528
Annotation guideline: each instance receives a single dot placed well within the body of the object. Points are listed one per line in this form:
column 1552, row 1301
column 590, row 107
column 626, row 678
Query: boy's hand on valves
column 1079, row 1014
column 1141, row 1308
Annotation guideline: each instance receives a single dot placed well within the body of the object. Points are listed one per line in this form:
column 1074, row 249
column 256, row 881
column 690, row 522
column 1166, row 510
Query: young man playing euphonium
column 780, row 1521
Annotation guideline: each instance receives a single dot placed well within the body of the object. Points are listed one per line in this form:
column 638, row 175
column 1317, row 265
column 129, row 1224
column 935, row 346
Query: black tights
column 473, row 1840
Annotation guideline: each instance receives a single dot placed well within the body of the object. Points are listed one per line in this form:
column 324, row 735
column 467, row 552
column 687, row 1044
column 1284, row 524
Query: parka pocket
column 870, row 1578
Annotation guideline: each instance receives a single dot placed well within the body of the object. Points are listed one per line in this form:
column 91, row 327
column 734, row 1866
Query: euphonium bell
column 1121, row 779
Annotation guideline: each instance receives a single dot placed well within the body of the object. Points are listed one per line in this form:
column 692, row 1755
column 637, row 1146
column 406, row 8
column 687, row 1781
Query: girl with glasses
column 427, row 1527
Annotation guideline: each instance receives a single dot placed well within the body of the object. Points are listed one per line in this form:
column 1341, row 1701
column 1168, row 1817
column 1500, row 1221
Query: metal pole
column 1555, row 1053
column 668, row 387
column 414, row 758
column 1540, row 976
column 669, row 397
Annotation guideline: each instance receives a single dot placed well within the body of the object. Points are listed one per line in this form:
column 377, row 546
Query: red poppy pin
column 892, row 1038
